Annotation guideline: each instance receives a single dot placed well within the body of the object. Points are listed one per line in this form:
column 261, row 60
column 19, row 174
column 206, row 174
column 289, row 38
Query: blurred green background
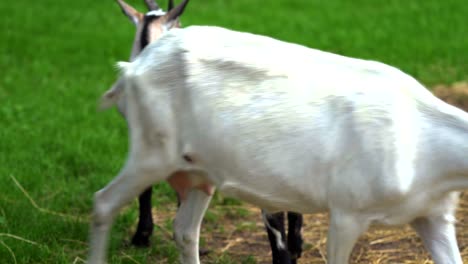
column 57, row 58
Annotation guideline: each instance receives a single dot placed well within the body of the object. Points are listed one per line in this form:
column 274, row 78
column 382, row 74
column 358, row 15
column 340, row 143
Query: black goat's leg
column 294, row 236
column 141, row 238
column 274, row 224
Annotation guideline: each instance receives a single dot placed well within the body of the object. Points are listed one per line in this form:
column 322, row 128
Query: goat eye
column 187, row 158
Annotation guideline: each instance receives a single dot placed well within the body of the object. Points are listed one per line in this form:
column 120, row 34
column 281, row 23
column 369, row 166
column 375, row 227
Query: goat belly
column 271, row 198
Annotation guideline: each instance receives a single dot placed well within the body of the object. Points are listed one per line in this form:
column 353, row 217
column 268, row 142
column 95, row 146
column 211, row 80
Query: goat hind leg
column 343, row 233
column 274, row 224
column 108, row 201
column 438, row 235
column 187, row 225
column 295, row 241
column 201, row 251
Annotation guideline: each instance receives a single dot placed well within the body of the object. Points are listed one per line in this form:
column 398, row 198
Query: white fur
column 286, row 127
column 158, row 12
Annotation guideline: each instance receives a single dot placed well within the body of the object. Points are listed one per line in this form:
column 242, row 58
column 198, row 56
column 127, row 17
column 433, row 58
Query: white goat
column 285, row 127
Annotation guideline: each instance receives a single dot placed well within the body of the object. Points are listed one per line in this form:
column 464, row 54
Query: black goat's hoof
column 203, row 252
column 141, row 240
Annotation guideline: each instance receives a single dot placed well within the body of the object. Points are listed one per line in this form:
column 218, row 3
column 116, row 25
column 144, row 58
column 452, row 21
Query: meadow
column 56, row 149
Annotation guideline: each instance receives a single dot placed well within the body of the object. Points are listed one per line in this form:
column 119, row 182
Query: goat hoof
column 203, row 252
column 294, row 258
column 140, row 240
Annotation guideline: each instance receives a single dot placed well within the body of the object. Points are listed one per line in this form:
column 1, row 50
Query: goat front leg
column 344, row 231
column 187, row 224
column 107, row 203
column 141, row 238
column 438, row 235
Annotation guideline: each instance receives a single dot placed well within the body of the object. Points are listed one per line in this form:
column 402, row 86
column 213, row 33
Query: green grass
column 57, row 57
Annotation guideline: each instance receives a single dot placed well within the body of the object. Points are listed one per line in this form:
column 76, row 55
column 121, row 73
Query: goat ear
column 122, row 66
column 177, row 11
column 135, row 16
column 173, row 23
column 112, row 96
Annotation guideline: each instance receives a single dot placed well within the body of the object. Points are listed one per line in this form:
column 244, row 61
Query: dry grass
column 456, row 94
column 243, row 236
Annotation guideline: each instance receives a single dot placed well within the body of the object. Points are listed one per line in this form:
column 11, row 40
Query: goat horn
column 151, row 4
column 171, row 5
column 177, row 11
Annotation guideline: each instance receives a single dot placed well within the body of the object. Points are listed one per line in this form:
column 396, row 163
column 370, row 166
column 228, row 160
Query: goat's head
column 149, row 28
column 151, row 25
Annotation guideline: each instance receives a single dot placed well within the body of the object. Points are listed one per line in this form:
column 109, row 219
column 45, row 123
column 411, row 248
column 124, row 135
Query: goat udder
column 181, row 182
